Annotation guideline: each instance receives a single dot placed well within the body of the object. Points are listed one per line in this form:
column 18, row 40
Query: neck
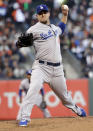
column 46, row 22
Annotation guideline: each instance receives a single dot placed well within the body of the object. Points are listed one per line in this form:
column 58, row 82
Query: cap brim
column 41, row 11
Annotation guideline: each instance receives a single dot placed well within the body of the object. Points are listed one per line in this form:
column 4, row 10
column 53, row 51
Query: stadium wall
column 79, row 89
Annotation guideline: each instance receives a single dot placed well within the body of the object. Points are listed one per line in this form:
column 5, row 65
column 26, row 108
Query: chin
column 44, row 22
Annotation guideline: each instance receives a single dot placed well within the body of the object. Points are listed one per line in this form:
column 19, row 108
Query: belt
column 49, row 63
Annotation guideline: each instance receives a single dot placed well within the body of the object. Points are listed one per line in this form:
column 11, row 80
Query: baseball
column 65, row 7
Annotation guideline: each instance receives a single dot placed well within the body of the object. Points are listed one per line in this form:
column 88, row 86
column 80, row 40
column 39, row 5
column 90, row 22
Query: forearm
column 65, row 10
column 20, row 100
column 20, row 95
column 42, row 92
column 42, row 98
column 63, row 22
column 64, row 19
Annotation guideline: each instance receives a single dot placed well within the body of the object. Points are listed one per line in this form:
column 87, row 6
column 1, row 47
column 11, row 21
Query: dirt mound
column 51, row 124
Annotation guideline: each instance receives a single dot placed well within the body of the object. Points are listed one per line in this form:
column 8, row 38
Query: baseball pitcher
column 47, row 66
column 24, row 86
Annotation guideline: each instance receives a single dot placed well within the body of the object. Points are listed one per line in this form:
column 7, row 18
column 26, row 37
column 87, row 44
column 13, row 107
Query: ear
column 37, row 16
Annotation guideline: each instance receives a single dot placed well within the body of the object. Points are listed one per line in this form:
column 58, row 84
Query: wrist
column 65, row 14
column 64, row 19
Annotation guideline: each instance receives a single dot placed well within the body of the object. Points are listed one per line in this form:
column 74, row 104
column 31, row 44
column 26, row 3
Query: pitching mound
column 51, row 124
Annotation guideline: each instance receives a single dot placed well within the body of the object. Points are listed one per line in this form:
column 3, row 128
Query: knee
column 36, row 85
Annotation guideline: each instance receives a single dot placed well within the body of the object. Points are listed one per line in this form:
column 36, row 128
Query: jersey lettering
column 46, row 36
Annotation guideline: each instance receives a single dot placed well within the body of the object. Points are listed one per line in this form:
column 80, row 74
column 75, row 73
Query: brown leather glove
column 43, row 105
column 25, row 40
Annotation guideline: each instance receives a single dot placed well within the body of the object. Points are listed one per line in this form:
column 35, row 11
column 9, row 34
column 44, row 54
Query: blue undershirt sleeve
column 20, row 92
column 62, row 26
column 42, row 91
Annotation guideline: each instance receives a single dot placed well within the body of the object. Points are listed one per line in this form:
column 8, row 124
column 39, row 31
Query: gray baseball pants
column 42, row 73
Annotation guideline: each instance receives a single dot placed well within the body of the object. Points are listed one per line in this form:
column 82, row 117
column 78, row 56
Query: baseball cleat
column 23, row 123
column 83, row 113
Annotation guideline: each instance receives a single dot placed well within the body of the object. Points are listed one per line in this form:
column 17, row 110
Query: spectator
column 13, row 18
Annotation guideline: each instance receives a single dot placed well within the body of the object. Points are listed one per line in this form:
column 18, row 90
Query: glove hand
column 43, row 105
column 18, row 44
column 25, row 40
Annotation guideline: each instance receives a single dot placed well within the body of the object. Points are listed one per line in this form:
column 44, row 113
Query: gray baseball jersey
column 46, row 45
column 24, row 85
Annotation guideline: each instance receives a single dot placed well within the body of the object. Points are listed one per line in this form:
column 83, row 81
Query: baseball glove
column 25, row 40
column 43, row 105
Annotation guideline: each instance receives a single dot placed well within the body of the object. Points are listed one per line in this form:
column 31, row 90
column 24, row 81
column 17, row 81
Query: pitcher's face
column 43, row 16
column 28, row 76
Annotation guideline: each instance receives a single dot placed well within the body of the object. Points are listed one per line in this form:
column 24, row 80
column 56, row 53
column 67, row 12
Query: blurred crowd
column 80, row 34
column 17, row 16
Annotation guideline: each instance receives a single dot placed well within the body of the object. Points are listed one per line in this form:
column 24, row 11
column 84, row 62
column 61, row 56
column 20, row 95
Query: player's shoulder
column 33, row 28
column 24, row 81
column 54, row 26
column 57, row 29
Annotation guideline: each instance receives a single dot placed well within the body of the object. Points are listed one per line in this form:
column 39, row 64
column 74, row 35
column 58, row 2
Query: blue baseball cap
column 41, row 8
column 29, row 72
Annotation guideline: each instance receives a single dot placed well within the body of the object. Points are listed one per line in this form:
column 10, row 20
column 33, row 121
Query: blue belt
column 49, row 63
